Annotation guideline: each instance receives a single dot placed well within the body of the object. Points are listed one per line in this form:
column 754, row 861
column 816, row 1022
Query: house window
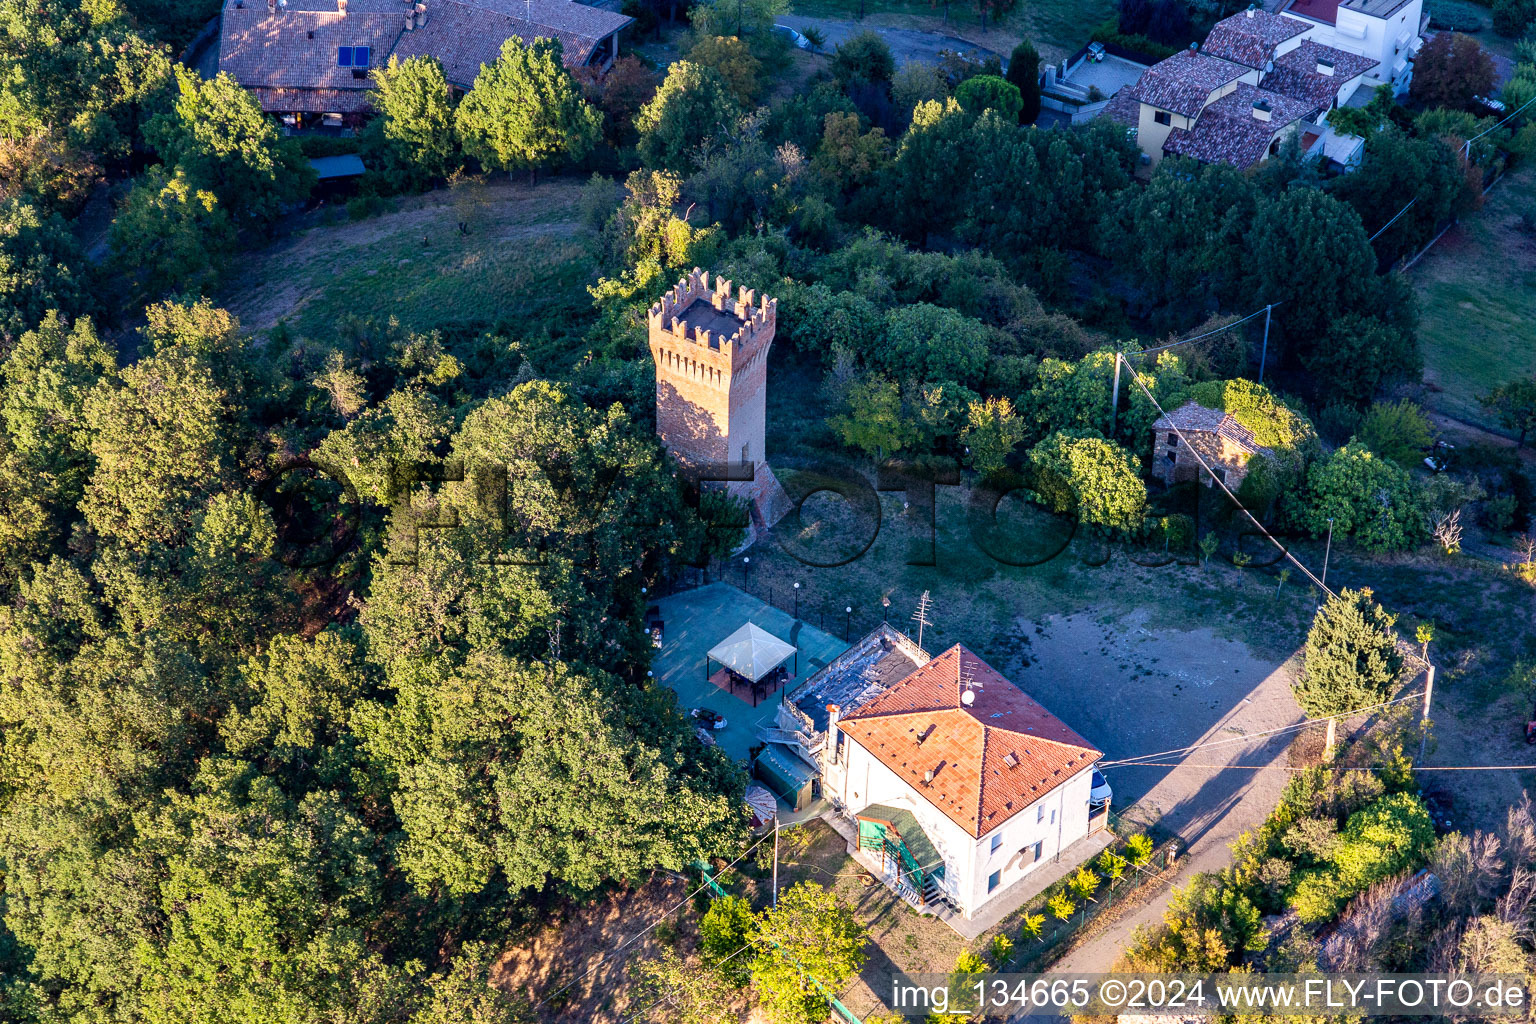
column 1162, row 117
column 1039, row 849
column 1053, row 815
column 744, row 450
column 993, row 880
column 1173, row 439
column 1274, row 147
column 1039, row 814
column 997, row 841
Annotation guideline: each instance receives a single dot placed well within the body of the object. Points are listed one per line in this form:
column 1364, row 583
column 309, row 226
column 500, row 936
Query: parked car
column 793, row 36
column 1100, row 792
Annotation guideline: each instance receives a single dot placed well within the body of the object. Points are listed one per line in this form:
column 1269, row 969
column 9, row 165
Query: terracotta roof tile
column 1228, row 132
column 296, row 47
column 1182, row 83
column 1295, row 73
column 1250, row 37
column 921, row 725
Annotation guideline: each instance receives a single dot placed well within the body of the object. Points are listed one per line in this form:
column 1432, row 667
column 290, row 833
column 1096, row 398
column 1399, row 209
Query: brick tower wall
column 711, row 384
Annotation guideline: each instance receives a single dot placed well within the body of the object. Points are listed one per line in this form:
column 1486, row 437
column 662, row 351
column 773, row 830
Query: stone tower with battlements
column 711, row 353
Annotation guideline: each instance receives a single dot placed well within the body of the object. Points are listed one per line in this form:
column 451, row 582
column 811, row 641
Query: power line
column 1389, row 223
column 1339, row 768
column 669, row 998
column 1131, row 761
column 1207, row 334
column 1222, row 483
column 1468, row 145
column 641, row 934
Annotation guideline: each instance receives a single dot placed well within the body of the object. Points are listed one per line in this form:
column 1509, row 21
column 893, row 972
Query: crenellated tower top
column 698, row 312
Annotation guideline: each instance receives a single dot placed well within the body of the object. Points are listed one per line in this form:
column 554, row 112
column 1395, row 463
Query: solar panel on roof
column 360, row 55
column 343, row 56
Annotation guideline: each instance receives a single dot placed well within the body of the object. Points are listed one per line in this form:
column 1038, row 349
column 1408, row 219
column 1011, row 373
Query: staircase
column 803, row 745
column 934, row 896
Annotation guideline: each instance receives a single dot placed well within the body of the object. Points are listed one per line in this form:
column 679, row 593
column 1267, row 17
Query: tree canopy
column 526, row 111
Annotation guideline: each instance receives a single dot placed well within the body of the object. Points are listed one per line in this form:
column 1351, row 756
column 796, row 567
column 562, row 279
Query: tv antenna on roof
column 966, row 677
column 528, row 11
column 921, row 616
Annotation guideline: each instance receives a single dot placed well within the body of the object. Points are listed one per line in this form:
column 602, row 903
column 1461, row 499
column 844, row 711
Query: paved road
column 907, row 44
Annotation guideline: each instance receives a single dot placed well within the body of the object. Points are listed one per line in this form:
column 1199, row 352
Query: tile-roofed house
column 994, row 780
column 1241, row 128
column 1184, row 82
column 1252, row 38
column 1225, row 444
column 315, row 56
column 964, row 745
column 1321, row 75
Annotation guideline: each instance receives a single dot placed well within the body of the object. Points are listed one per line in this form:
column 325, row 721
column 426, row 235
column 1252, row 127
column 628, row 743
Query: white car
column 794, row 37
column 1101, row 791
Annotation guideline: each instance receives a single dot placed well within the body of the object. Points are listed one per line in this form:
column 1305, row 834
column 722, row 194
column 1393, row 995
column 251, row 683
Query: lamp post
column 885, row 608
column 746, row 565
column 797, row 601
column 847, row 620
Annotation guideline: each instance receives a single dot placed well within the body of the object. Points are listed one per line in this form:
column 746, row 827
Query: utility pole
column 1264, row 352
column 1429, row 689
column 1326, row 552
column 1114, row 397
column 775, row 857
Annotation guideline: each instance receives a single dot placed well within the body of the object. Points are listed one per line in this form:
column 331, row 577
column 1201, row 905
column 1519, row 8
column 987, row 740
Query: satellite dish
column 968, row 698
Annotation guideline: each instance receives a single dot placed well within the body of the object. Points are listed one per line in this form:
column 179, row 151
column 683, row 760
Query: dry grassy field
column 520, row 268
column 1477, row 299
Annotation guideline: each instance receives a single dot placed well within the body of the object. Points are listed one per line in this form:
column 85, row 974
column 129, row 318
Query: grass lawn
column 1057, row 27
column 1477, row 293
column 521, row 269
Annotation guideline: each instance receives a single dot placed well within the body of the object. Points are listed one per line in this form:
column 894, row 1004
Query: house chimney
column 1249, row 11
column 341, row 7
column 421, row 15
column 928, row 777
column 1325, row 66
column 1261, row 109
column 271, row 6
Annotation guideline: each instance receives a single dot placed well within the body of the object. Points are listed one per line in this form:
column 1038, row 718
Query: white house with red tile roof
column 1387, row 32
column 961, row 784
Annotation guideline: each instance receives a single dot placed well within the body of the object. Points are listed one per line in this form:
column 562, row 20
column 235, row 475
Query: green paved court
column 697, row 620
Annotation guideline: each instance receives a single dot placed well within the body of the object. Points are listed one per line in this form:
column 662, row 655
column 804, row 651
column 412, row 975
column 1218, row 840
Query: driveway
column 907, row 44
column 1162, row 689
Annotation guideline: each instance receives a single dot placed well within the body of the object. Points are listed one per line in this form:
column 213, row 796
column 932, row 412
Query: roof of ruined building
column 1250, row 37
column 990, row 759
column 1228, row 132
column 1194, row 418
column 1182, row 83
column 296, row 46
